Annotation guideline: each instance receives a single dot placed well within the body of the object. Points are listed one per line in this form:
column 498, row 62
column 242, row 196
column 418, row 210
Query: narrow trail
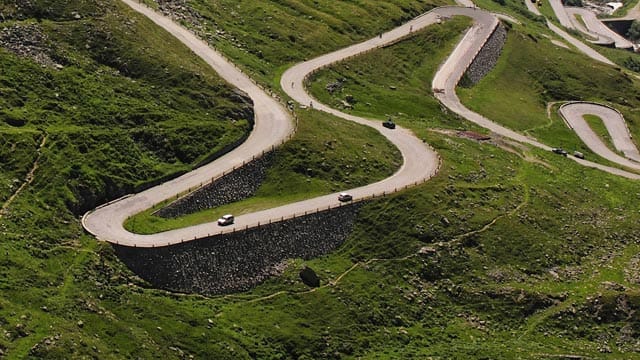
column 28, row 179
column 336, row 281
column 330, row 283
column 496, row 219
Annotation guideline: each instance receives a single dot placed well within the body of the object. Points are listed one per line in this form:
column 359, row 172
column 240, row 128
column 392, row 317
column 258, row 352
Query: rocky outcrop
column 27, row 41
column 180, row 11
column 238, row 261
column 235, row 186
column 487, row 58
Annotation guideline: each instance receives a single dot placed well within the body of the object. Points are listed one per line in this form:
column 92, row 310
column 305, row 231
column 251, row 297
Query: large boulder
column 309, row 277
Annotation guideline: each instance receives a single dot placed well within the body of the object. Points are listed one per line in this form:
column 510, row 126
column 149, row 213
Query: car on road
column 389, row 124
column 578, row 154
column 225, row 220
column 559, row 151
column 344, row 197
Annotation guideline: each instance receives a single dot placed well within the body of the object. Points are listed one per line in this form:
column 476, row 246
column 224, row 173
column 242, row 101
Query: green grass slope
column 115, row 114
column 101, row 103
column 265, row 37
column 325, row 155
column 534, row 74
column 508, row 253
column 525, row 255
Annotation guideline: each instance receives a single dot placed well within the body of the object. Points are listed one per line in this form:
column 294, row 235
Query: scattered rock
column 27, row 41
column 350, row 99
column 334, row 86
column 610, row 285
column 346, row 105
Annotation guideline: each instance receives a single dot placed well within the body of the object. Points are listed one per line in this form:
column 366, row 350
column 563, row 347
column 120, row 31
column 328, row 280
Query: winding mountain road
column 633, row 13
column 274, row 126
column 583, row 48
column 574, row 112
column 596, row 28
column 591, row 26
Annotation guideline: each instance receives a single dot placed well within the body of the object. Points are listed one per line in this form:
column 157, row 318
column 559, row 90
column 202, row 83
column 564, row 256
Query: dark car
column 344, row 197
column 389, row 124
column 559, row 151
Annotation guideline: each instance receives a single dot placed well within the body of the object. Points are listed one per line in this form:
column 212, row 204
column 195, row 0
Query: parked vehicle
column 344, row 197
column 225, row 220
column 559, row 151
column 389, row 124
column 578, row 154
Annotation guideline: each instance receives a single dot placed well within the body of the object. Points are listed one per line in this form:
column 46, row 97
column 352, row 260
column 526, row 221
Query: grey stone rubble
column 27, row 41
column 205, row 28
column 180, row 10
column 239, row 261
column 488, row 56
column 235, row 186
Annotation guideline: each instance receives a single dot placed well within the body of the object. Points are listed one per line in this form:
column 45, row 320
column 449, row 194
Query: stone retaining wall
column 236, row 262
column 235, row 186
column 488, row 56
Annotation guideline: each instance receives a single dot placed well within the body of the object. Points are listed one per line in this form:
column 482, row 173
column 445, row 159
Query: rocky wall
column 236, row 262
column 487, row 57
column 235, row 186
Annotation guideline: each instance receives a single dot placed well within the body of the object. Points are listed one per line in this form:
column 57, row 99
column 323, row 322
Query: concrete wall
column 239, row 261
column 488, row 56
column 619, row 26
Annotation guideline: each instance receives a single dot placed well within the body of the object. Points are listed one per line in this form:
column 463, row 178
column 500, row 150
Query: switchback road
column 574, row 112
column 274, row 125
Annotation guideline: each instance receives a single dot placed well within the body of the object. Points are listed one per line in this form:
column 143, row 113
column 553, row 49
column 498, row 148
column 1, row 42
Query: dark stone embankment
column 239, row 261
column 487, row 58
column 235, row 186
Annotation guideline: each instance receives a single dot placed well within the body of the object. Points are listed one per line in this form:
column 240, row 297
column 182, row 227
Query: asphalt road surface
column 596, row 28
column 573, row 113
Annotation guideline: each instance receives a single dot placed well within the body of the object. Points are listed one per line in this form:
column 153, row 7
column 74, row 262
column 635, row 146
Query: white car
column 225, row 220
column 344, row 197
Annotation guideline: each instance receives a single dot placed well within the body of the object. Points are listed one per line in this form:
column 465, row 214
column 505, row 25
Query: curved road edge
column 573, row 113
column 273, row 126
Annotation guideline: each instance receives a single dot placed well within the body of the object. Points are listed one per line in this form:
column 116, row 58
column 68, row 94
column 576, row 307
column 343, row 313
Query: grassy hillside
column 535, row 74
column 325, row 155
column 524, row 258
column 94, row 114
column 265, row 37
column 115, row 114
column 508, row 253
